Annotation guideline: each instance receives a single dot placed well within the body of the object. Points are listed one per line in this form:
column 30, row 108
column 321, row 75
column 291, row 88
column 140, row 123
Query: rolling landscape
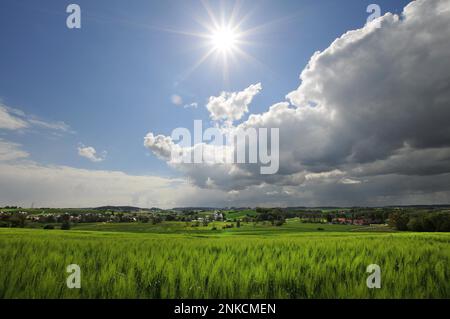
column 250, row 253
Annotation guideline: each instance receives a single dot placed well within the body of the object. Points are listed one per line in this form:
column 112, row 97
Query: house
column 360, row 222
column 350, row 221
column 217, row 216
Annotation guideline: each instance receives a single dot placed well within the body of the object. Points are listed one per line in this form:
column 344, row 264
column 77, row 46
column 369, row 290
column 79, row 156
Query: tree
column 399, row 221
column 415, row 224
column 171, row 217
column 279, row 222
column 18, row 220
column 65, row 225
column 156, row 219
column 430, row 222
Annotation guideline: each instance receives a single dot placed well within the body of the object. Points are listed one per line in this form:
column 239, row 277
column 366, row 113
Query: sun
column 224, row 39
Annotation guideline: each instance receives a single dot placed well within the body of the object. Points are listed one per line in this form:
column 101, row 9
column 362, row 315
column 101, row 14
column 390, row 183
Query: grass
column 237, row 263
column 240, row 213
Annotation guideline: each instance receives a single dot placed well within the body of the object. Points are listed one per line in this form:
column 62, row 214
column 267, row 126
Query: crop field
column 293, row 226
column 296, row 261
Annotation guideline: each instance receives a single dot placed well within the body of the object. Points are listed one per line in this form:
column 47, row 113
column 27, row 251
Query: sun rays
column 223, row 38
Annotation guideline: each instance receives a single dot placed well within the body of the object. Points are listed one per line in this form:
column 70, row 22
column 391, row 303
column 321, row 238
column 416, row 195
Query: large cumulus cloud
column 384, row 87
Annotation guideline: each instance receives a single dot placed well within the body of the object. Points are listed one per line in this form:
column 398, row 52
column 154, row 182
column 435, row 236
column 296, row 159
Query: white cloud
column 11, row 151
column 90, row 153
column 232, row 106
column 192, row 105
column 349, row 181
column 233, row 193
column 176, row 99
column 62, row 186
column 9, row 121
column 324, row 175
column 15, row 119
column 161, row 145
column 57, row 126
column 210, row 183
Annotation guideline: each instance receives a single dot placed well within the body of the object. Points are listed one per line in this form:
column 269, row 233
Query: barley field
column 237, row 265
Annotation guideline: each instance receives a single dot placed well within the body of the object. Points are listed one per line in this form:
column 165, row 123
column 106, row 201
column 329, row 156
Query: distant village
column 416, row 218
column 20, row 217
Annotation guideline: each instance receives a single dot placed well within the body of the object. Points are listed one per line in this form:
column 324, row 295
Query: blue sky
column 111, row 81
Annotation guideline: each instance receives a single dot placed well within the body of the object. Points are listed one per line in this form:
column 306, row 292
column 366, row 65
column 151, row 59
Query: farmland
column 292, row 226
column 175, row 260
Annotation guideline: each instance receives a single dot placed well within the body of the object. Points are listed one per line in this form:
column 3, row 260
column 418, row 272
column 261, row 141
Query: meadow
column 292, row 226
column 174, row 261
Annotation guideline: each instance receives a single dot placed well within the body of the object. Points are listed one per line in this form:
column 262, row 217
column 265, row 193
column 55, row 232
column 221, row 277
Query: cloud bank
column 11, row 151
column 24, row 182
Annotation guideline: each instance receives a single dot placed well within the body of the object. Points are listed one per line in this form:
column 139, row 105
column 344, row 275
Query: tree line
column 421, row 222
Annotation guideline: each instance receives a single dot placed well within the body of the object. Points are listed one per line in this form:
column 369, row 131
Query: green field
column 171, row 260
column 293, row 226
